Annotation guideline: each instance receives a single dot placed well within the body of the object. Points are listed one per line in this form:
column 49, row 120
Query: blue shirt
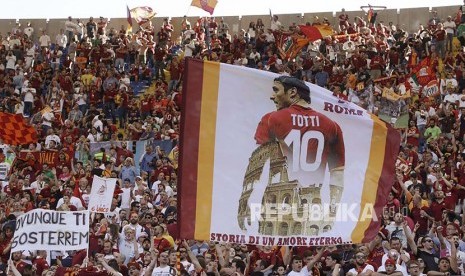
column 128, row 172
column 145, row 164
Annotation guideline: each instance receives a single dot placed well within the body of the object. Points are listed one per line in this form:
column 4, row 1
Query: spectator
column 102, row 78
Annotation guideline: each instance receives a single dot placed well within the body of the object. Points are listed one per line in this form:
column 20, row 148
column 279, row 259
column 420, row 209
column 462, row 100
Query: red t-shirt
column 145, row 105
column 305, row 130
column 40, row 265
column 20, row 266
column 436, row 209
column 376, row 256
column 422, row 221
column 413, row 140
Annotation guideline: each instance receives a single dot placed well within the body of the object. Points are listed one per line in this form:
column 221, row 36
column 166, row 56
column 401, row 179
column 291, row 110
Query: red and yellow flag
column 289, row 45
column 206, row 5
column 317, row 31
column 15, row 131
column 423, row 72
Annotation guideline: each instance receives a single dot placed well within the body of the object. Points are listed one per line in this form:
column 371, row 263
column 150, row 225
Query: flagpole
column 88, row 244
column 9, row 259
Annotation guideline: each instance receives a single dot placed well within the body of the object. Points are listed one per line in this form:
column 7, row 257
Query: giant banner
column 269, row 162
column 51, row 230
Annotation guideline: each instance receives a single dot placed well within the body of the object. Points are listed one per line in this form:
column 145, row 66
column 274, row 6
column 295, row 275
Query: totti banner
column 271, row 160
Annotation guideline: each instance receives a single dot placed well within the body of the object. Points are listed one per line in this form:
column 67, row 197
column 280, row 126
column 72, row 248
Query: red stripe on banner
column 385, row 182
column 189, row 147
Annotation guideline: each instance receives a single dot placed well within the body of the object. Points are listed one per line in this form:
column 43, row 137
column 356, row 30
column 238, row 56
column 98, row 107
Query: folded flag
column 141, row 15
column 206, row 5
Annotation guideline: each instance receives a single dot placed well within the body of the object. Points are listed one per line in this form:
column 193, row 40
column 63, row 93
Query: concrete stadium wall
column 407, row 19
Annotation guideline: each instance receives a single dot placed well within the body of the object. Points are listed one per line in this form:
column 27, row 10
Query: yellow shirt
column 87, row 79
column 424, row 203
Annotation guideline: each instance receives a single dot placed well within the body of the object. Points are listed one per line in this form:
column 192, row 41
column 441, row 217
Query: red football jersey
column 310, row 140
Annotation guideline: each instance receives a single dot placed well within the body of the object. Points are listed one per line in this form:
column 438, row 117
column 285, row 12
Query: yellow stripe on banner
column 203, row 212
column 372, row 177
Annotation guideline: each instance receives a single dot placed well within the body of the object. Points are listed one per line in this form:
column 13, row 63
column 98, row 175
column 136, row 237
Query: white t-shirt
column 98, row 124
column 30, row 52
column 164, row 271
column 61, row 40
column 14, row 42
column 29, row 94
column 449, row 26
column 168, row 190
column 44, row 40
column 461, row 101
column 10, row 62
column 304, row 271
column 189, row 49
column 422, row 118
column 70, row 26
column 275, row 25
column 451, row 98
column 367, row 267
column 126, row 249
column 47, row 119
column 125, row 198
column 187, row 266
column 125, row 82
column 94, row 138
column 73, row 201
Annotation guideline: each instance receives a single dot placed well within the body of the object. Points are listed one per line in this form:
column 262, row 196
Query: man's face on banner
column 280, row 97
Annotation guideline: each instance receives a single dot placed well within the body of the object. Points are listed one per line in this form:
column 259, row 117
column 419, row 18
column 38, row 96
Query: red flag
column 129, row 16
column 15, row 131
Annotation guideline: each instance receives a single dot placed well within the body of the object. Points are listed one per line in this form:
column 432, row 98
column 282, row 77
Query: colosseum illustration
column 280, row 191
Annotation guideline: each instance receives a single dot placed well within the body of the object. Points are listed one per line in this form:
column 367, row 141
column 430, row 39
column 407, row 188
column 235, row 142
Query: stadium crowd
column 83, row 86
